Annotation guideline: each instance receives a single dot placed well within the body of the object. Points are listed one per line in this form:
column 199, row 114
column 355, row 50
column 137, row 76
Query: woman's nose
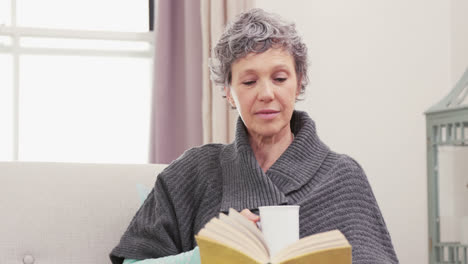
column 266, row 91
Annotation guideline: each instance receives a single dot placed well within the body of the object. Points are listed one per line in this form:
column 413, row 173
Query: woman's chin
column 268, row 131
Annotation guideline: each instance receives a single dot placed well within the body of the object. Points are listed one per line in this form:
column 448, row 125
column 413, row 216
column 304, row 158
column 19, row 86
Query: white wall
column 376, row 66
column 459, row 38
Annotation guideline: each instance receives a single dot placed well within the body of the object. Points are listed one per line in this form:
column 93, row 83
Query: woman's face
column 264, row 88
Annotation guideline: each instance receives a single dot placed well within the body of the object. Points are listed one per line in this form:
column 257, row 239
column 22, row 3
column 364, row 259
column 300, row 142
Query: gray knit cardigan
column 332, row 190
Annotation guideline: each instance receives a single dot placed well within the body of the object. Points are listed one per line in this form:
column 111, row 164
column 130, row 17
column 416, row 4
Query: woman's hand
column 250, row 216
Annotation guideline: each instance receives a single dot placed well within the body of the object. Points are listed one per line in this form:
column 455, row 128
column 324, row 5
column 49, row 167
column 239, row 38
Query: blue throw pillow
column 190, row 257
column 143, row 192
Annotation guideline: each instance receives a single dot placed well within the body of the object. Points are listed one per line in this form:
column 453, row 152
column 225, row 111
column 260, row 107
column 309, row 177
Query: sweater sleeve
column 364, row 225
column 153, row 231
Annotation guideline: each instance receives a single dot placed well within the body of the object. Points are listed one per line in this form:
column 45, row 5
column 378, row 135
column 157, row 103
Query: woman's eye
column 280, row 79
column 249, row 82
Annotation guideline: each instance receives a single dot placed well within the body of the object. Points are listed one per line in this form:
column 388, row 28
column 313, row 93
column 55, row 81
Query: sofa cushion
column 65, row 212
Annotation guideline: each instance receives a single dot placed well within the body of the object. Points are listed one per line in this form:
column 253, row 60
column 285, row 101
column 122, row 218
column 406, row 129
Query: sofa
column 68, row 213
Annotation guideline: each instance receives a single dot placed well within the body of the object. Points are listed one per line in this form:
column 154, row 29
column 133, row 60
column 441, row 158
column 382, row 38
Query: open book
column 233, row 239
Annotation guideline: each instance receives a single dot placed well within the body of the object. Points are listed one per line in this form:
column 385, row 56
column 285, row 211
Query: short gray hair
column 257, row 31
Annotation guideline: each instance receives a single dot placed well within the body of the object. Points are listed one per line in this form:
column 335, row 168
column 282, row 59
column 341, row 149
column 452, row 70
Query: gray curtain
column 176, row 118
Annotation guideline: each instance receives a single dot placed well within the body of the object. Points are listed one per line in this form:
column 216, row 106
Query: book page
column 208, row 233
column 312, row 243
column 259, row 248
column 250, row 226
column 305, row 250
column 213, row 252
column 230, row 236
column 335, row 255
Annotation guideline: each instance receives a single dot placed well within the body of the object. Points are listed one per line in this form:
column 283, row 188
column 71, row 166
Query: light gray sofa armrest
column 64, row 213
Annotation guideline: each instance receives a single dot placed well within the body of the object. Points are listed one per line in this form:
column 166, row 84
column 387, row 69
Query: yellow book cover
column 233, row 239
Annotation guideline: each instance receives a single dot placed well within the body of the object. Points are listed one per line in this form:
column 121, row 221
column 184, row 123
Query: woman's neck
column 268, row 149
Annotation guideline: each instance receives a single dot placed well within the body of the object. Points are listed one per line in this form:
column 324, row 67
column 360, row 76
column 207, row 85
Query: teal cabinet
column 446, row 125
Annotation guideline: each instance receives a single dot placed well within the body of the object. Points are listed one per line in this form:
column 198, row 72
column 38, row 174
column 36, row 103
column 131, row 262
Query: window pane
column 452, row 191
column 5, row 41
column 6, row 107
column 84, row 44
column 5, row 11
column 118, row 15
column 84, row 109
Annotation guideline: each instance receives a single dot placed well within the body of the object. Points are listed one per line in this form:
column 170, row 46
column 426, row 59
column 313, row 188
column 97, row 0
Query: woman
column 276, row 158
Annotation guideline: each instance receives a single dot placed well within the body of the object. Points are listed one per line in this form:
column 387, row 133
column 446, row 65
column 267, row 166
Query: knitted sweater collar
column 245, row 185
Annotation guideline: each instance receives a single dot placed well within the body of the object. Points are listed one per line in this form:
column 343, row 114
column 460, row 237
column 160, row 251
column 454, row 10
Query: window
column 75, row 80
column 6, row 107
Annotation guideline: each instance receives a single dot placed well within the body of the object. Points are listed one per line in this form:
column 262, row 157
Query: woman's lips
column 267, row 115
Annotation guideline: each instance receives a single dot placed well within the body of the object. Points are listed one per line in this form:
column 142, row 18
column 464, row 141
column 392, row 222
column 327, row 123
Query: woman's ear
column 227, row 91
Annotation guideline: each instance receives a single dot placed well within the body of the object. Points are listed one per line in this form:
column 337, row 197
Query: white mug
column 280, row 226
